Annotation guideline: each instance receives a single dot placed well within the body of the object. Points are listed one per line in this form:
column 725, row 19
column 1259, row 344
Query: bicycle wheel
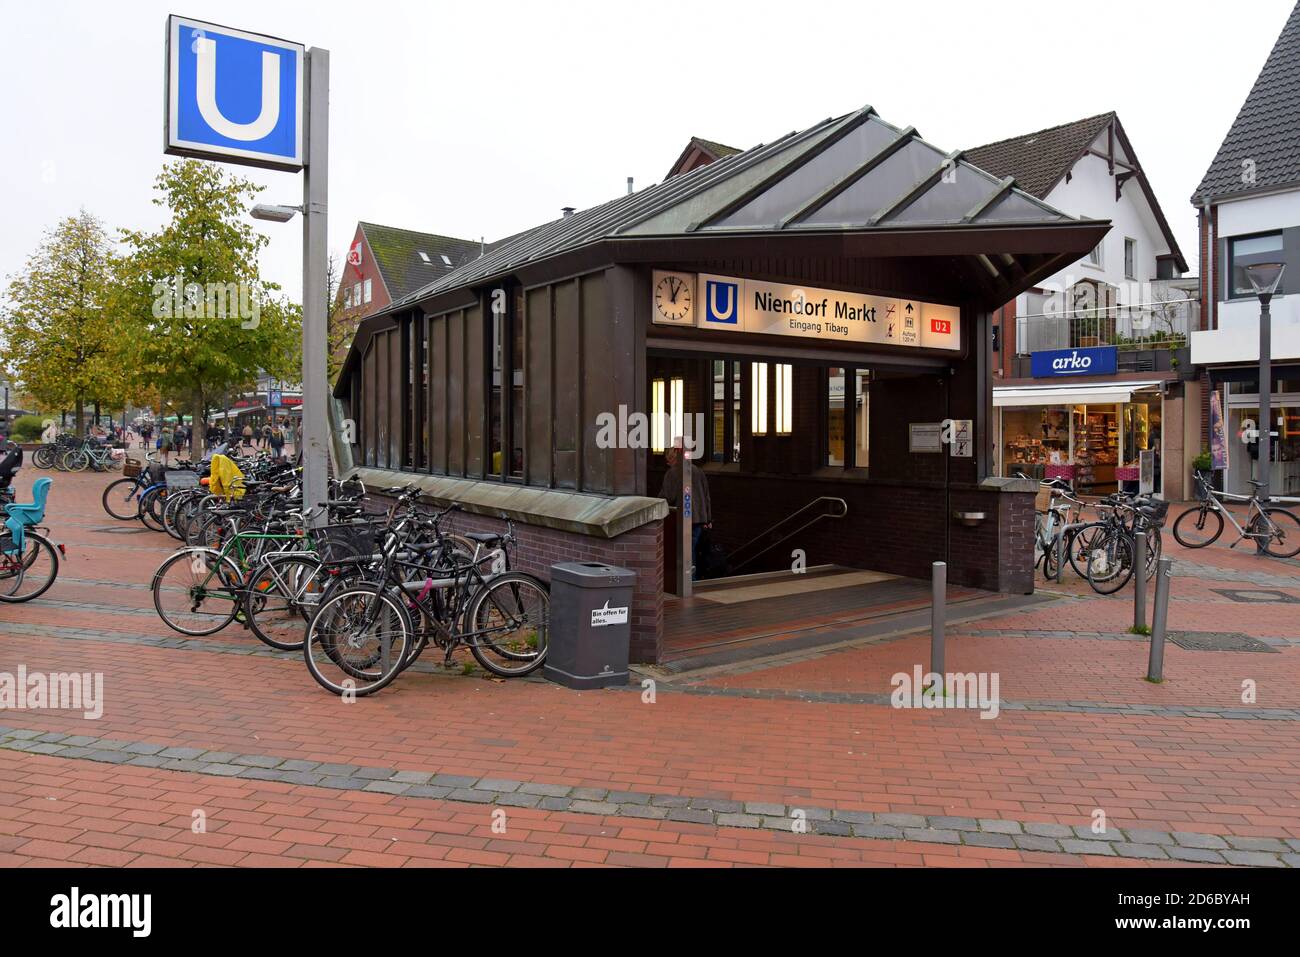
column 77, row 460
column 43, row 458
column 1283, row 539
column 281, row 595
column 1198, row 527
column 357, row 641
column 513, row 612
column 40, row 567
column 197, row 591
column 120, row 499
column 1078, row 545
column 171, row 511
column 1110, row 563
column 12, row 568
column 151, row 506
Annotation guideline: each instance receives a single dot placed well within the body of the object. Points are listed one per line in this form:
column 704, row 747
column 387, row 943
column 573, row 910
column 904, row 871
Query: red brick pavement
column 1214, row 775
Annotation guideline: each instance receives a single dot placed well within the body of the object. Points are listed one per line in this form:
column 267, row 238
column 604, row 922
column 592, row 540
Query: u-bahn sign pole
column 257, row 100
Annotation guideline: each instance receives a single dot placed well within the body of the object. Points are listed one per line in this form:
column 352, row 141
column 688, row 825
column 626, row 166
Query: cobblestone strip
column 505, row 792
column 436, row 669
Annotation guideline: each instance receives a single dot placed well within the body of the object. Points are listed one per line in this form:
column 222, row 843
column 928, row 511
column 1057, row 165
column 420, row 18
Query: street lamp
column 1265, row 277
column 274, row 214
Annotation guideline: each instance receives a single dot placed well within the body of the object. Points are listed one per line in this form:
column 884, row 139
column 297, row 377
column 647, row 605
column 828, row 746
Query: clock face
column 673, row 293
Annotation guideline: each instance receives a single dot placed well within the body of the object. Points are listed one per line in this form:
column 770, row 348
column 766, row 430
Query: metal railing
column 1160, row 325
column 772, row 536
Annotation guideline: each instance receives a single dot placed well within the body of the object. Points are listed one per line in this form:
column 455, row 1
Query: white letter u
column 718, row 313
column 206, row 87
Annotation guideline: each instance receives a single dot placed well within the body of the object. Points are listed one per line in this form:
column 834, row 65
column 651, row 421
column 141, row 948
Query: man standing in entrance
column 701, row 506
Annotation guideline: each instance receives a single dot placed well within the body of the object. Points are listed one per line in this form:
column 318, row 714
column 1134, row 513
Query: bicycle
column 1274, row 529
column 1111, row 556
column 27, row 557
column 363, row 635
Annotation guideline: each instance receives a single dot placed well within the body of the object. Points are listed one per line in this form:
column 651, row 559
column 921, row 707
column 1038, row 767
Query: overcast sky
column 484, row 118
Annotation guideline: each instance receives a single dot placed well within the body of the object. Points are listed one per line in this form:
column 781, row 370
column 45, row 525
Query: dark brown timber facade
column 838, row 287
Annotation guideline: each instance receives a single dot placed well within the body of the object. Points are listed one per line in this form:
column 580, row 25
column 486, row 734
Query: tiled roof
column 404, row 270
column 854, row 173
column 717, row 149
column 1262, row 149
column 1039, row 160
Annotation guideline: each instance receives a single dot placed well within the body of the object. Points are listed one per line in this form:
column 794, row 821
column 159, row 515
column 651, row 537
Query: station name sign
column 767, row 308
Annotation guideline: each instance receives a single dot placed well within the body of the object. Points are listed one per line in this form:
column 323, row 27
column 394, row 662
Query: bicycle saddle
column 484, row 538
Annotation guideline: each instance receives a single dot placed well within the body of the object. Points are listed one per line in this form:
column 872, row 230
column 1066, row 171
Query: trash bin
column 591, row 612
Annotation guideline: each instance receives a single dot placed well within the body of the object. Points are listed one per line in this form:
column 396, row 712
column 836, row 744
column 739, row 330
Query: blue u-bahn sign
column 233, row 96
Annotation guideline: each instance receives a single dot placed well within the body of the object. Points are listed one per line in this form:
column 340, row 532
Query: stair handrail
column 843, row 509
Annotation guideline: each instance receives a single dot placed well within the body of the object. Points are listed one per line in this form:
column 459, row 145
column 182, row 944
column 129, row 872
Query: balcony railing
column 1159, row 325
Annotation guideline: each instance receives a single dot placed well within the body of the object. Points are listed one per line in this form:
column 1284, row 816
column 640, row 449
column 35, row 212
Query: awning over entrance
column 1095, row 394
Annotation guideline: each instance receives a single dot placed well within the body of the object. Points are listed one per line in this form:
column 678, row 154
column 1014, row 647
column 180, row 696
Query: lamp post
column 1265, row 278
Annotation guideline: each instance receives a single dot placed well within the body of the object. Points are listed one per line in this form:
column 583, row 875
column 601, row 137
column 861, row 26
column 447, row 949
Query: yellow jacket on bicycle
column 225, row 478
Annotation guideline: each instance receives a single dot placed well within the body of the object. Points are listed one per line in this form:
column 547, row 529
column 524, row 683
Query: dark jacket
column 701, row 506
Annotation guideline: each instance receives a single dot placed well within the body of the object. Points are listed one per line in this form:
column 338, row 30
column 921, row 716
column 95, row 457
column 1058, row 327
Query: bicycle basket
column 179, row 478
column 341, row 543
column 131, row 468
column 1043, row 500
column 1155, row 511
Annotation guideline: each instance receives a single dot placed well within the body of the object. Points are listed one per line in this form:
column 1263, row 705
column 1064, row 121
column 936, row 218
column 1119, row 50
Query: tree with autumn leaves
column 179, row 315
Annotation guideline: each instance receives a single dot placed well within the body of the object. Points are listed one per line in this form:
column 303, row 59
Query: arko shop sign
column 1054, row 363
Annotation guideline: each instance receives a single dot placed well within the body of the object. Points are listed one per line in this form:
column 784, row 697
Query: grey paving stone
column 54, row 737
column 688, row 815
column 1292, row 860
column 219, row 757
column 300, row 777
column 1148, row 837
column 588, row 794
column 147, row 761
column 78, row 740
column 114, row 757
column 956, row 823
column 258, row 761
column 987, row 839
column 593, row 807
column 388, row 787
column 331, row 770
column 554, row 804
column 628, row 797
column 719, row 805
column 72, row 752
column 223, row 770
column 1044, row 829
column 1150, row 852
column 815, row 813
column 341, row 782
column 902, row 820
column 546, row 790
column 931, row 835
column 644, row 811
column 296, row 765
column 371, row 774
column 833, row 828
column 676, row 800
column 1189, row 839
column 428, row 791
column 1077, row 846
column 878, row 831
column 412, row 777
column 739, row 820
column 500, row 785
column 1084, row 832
column 1253, row 859
column 517, row 799
column 472, row 795
column 1257, row 844
column 1294, row 842
column 1035, row 842
column 763, row 808
column 998, row 826
column 778, row 823
column 261, row 774
column 1196, row 854
column 44, row 747
column 26, row 734
column 184, row 754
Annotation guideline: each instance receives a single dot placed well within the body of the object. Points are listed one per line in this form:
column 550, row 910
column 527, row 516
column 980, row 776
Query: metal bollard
column 1159, row 618
column 938, row 615
column 1140, row 582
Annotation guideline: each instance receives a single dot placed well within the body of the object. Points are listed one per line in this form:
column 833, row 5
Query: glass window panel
column 949, row 201
column 758, row 399
column 807, row 181
column 862, row 420
column 784, row 399
column 718, row 412
column 657, row 415
column 735, row 410
column 1014, row 207
column 1249, row 251
column 517, row 385
column 835, row 418
column 882, row 186
column 496, row 321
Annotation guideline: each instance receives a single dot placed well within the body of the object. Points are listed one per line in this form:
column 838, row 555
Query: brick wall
column 640, row 550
